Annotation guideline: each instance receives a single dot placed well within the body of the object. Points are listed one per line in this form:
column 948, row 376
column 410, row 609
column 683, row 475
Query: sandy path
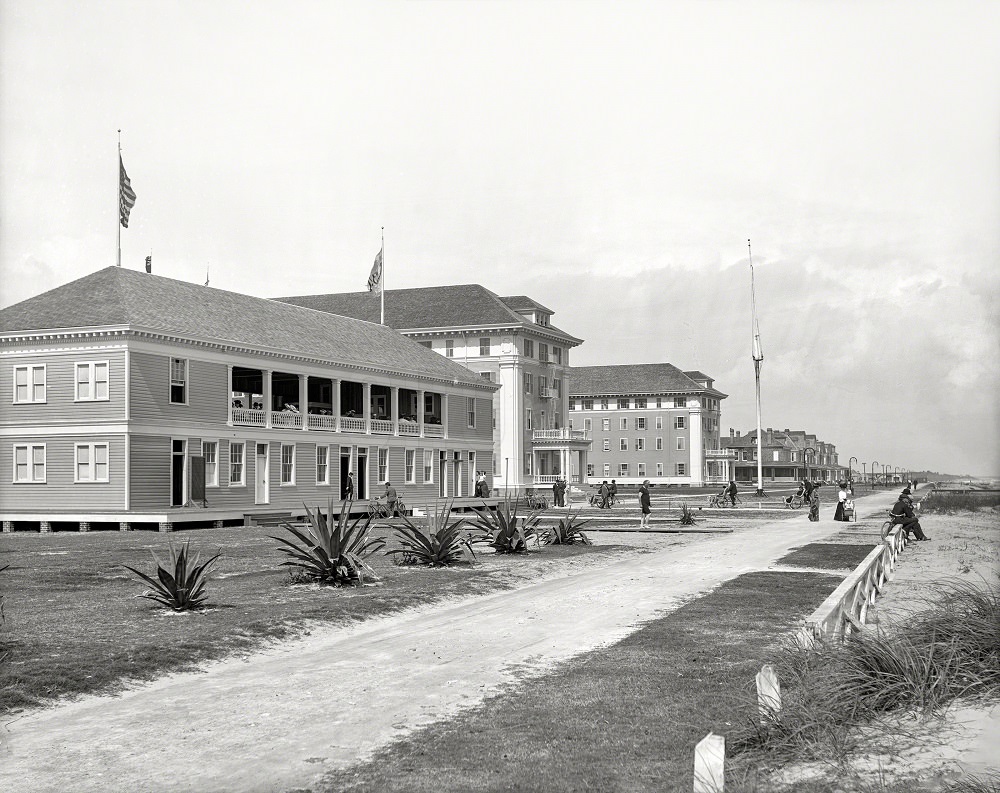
column 280, row 718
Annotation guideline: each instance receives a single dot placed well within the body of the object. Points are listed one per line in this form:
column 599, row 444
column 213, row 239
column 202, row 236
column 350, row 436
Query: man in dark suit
column 902, row 515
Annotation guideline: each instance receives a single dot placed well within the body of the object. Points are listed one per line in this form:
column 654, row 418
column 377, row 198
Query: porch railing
column 433, row 431
column 286, row 419
column 563, row 433
column 352, row 424
column 381, row 427
column 248, row 417
column 319, row 422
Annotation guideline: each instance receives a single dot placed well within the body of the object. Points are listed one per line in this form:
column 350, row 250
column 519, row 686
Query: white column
column 510, row 424
column 444, row 414
column 394, row 408
column 304, row 400
column 335, row 404
column 229, row 377
column 420, row 414
column 695, row 441
column 267, row 398
column 366, row 405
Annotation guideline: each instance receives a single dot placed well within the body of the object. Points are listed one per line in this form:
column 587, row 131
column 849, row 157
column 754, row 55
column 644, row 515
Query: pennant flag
column 206, row 274
column 375, row 279
column 149, row 263
column 126, row 195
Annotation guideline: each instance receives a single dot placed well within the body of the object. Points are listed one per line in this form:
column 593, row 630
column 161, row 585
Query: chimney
column 732, row 433
column 737, row 433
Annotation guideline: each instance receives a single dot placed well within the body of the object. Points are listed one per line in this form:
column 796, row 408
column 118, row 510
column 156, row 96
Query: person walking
column 644, row 504
column 613, row 493
column 391, row 497
column 349, row 487
column 814, row 502
column 604, row 493
column 731, row 492
column 841, row 512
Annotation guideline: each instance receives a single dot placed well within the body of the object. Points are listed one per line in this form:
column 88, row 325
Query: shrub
column 179, row 585
column 567, row 532
column 944, row 502
column 433, row 540
column 687, row 516
column 502, row 530
column 331, row 553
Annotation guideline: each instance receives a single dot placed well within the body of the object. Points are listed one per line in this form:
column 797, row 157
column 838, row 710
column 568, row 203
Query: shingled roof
column 116, row 296
column 636, row 378
column 424, row 308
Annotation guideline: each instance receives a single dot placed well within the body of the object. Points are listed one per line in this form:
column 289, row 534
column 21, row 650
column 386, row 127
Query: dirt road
column 280, row 718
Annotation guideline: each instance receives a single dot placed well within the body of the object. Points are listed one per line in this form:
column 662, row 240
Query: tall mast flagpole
column 382, row 293
column 758, row 358
column 118, row 213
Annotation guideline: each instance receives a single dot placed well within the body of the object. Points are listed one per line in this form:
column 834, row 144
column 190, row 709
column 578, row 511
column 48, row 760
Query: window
column 322, row 465
column 681, row 469
column 428, row 465
column 484, row 345
column 383, row 465
column 527, row 382
column 527, row 419
column 679, row 402
column 795, row 457
column 776, row 456
column 210, row 451
column 623, row 444
column 92, row 381
column 529, row 348
column 486, row 376
column 236, row 468
column 557, row 354
column 624, row 424
column 622, row 469
column 590, row 469
column 659, row 422
column 640, row 423
column 496, row 467
column 543, row 352
column 680, row 444
column 410, row 466
column 288, row 463
column 640, row 444
column 623, row 404
column 640, row 404
column 607, row 469
column 586, row 424
column 92, row 462
column 449, row 348
column 588, row 404
column 640, row 469
column 471, row 410
column 659, row 444
column 659, row 402
column 29, row 463
column 607, row 444
column 527, row 463
column 428, row 344
column 659, row 469
column 604, row 404
column 557, row 387
column 606, row 424
column 178, row 381
column 572, row 404
column 542, row 386
column 679, row 422
column 29, row 384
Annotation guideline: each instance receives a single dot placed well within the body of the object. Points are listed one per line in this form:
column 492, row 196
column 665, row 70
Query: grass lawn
column 74, row 623
column 621, row 718
column 827, row 556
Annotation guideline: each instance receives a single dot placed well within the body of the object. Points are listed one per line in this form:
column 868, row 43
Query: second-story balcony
column 561, row 436
column 717, row 454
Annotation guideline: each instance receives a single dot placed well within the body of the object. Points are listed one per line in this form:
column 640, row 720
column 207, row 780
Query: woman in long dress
column 840, row 514
column 814, row 503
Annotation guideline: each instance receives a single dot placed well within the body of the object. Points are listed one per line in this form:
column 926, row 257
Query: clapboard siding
column 208, row 391
column 149, row 484
column 60, row 493
column 458, row 419
column 60, row 390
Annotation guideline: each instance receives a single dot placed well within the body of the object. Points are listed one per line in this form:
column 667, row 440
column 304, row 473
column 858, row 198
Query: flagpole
column 383, row 276
column 119, row 209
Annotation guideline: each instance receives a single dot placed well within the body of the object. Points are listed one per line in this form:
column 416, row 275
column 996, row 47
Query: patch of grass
column 74, row 623
column 945, row 503
column 621, row 718
column 827, row 556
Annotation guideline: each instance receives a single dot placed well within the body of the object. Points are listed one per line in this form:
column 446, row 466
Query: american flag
column 149, row 262
column 375, row 279
column 126, row 195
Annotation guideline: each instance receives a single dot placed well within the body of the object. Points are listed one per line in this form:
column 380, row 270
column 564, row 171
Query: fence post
column 768, row 694
column 709, row 764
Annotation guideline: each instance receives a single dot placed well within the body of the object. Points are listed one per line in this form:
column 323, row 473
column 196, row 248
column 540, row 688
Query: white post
column 709, row 764
column 768, row 694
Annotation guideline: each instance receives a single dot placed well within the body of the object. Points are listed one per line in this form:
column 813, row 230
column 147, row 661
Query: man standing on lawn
column 731, row 492
column 391, row 497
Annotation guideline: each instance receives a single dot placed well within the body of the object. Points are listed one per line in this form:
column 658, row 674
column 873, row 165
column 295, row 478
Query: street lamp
column 805, row 458
column 850, row 470
column 874, row 480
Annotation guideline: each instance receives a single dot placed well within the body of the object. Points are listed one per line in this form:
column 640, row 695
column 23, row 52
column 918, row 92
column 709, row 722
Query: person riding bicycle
column 902, row 515
column 391, row 497
column 731, row 491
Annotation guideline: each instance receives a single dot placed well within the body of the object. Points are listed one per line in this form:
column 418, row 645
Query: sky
column 610, row 160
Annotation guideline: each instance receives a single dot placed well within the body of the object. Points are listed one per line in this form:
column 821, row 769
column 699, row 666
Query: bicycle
column 892, row 520
column 378, row 509
column 794, row 501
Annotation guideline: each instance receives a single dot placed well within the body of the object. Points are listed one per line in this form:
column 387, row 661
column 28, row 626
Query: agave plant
column 501, row 528
column 329, row 551
column 687, row 516
column 179, row 584
column 433, row 540
column 567, row 532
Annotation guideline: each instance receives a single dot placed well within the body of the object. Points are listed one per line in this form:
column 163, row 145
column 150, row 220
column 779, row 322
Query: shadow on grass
column 827, row 556
column 622, row 718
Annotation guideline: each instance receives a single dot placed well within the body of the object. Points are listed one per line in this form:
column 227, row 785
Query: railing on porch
column 320, row 422
column 248, row 417
column 433, row 431
column 720, row 453
column 352, row 424
column 409, row 428
column 381, row 427
column 286, row 419
column 563, row 433
column 551, row 479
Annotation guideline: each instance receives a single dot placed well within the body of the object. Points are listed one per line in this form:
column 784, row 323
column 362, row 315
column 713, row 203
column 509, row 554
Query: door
column 345, row 470
column 178, row 458
column 362, row 474
column 457, row 467
column 262, row 493
column 443, row 474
